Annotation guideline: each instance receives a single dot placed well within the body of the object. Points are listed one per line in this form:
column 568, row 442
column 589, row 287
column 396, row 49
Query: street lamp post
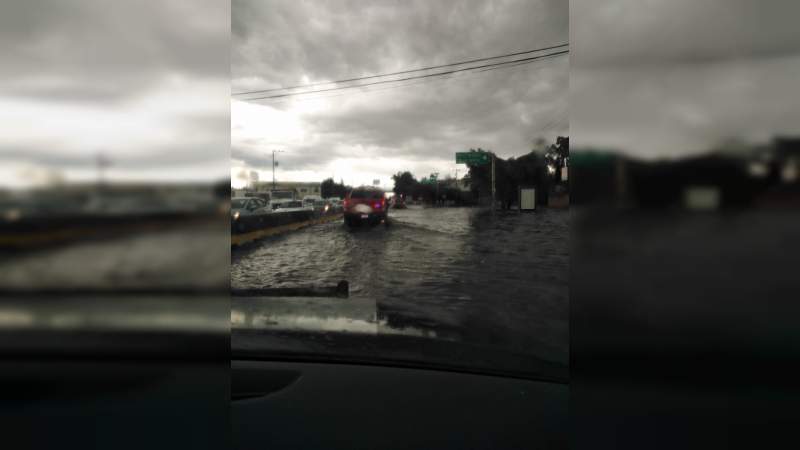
column 273, row 167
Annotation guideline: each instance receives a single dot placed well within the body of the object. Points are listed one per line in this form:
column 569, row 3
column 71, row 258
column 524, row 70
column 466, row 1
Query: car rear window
column 366, row 194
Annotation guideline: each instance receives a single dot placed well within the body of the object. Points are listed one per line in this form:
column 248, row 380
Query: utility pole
column 102, row 163
column 273, row 167
column 436, row 178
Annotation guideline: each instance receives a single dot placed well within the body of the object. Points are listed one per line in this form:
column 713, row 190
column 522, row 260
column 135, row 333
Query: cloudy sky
column 145, row 83
column 667, row 78
column 363, row 134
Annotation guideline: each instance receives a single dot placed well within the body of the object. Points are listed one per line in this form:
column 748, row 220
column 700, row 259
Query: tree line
column 429, row 189
column 538, row 169
column 330, row 189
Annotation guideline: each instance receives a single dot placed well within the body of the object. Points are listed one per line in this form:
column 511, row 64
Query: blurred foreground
column 54, row 215
column 679, row 269
column 139, row 262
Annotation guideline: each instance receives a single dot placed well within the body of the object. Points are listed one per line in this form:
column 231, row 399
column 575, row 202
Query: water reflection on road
column 454, row 273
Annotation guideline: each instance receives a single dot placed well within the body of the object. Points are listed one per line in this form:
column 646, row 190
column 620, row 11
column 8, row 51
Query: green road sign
column 472, row 158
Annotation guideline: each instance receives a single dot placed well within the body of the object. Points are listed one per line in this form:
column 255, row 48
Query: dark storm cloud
column 674, row 77
column 278, row 43
column 431, row 112
column 93, row 48
column 283, row 40
column 667, row 32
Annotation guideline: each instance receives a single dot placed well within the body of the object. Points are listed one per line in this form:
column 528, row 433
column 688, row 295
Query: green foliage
column 527, row 170
column 404, row 183
column 330, row 188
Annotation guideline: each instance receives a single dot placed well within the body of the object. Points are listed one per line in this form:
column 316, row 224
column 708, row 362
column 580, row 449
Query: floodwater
column 457, row 274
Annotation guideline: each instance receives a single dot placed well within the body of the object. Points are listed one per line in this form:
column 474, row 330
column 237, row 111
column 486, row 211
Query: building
column 300, row 188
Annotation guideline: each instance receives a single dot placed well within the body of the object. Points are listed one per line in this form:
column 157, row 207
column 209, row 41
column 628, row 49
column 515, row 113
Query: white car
column 311, row 199
column 294, row 205
column 248, row 206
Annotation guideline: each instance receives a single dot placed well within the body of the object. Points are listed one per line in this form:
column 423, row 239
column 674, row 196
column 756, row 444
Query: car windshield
column 470, row 271
column 238, row 203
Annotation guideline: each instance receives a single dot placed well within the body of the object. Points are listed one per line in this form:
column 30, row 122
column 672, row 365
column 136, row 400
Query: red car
column 365, row 204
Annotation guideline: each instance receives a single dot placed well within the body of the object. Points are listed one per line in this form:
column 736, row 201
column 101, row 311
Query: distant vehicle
column 248, row 206
column 281, row 195
column 365, row 204
column 275, row 204
column 322, row 206
column 338, row 206
column 310, row 199
column 294, row 205
column 398, row 202
column 334, row 204
column 262, row 195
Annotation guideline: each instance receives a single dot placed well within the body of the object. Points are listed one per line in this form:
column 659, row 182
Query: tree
column 557, row 156
column 527, row 170
column 327, row 188
column 330, row 188
column 404, row 183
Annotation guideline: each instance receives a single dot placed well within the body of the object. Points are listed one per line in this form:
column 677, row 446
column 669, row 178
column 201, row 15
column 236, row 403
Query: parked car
column 365, row 204
column 263, row 195
column 247, row 206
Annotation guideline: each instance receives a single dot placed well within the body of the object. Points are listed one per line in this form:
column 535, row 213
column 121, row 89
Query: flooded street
column 451, row 273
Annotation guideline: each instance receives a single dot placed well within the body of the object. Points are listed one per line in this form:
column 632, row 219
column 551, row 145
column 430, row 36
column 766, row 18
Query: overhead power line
column 415, row 77
column 263, row 91
column 368, row 90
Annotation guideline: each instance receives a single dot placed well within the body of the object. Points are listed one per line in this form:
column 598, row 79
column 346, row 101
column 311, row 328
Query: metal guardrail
column 246, row 224
column 250, row 228
column 249, row 223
